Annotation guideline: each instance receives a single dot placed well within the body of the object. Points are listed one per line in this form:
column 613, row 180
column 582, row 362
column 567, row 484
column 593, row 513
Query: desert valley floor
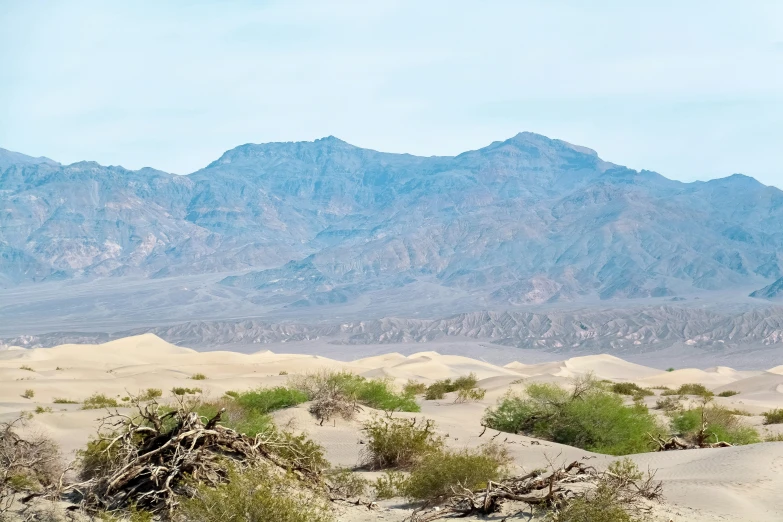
column 741, row 483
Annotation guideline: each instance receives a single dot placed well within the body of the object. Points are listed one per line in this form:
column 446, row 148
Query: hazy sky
column 691, row 89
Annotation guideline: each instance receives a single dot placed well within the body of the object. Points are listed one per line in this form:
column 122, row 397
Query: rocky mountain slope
column 526, row 220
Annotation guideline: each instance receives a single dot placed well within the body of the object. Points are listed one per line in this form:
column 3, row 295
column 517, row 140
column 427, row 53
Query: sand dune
column 739, row 484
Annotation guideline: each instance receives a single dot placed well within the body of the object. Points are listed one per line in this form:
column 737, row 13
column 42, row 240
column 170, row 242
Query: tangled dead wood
column 149, row 459
column 552, row 489
column 30, row 466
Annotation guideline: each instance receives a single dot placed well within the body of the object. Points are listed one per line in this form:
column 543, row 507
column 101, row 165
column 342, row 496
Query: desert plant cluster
column 189, row 457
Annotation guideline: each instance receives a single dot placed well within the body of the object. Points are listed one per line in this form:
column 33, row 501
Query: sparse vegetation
column 711, row 423
column 180, row 390
column 28, row 393
column 669, row 369
column 438, row 473
column 588, row 416
column 148, row 395
column 255, row 496
column 439, row 389
column 390, row 484
column 414, row 388
column 340, row 394
column 43, row 409
column 399, row 443
column 728, row 393
column 630, row 388
column 99, row 400
column 690, row 389
column 265, row 400
column 283, row 372
column 667, row 404
column 470, row 394
column 26, row 368
column 773, row 416
column 60, row 400
column 346, row 483
column 198, row 377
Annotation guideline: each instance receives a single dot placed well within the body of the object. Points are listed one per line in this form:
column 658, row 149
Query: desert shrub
column 712, row 423
column 690, row 389
column 773, row 416
column 42, row 409
column 60, row 400
column 600, row 505
column 588, row 417
column 238, row 418
column 97, row 401
column 441, row 471
column 398, row 443
column 283, row 372
column 132, row 514
column 414, row 388
column 198, row 377
column 26, row 368
column 97, row 457
column 28, row 393
column 630, row 388
column 254, row 496
column 439, row 389
column 389, row 485
column 669, row 369
column 179, row 390
column 667, row 404
column 346, row 483
column 728, row 393
column 339, row 394
column 470, row 394
column 28, row 464
column 149, row 394
column 266, row 400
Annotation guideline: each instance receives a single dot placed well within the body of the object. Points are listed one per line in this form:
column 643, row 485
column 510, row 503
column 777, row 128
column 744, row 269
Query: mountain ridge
column 520, row 221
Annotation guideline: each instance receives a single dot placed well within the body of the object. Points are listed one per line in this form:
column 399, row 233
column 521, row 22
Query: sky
column 693, row 90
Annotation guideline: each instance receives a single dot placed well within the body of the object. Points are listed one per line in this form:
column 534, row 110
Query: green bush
column 97, row 457
column 630, row 388
column 150, row 394
column 266, row 400
column 667, row 404
column 26, row 368
column 728, row 393
column 238, row 418
column 59, row 400
column 28, row 393
column 690, row 389
column 254, row 496
column 97, row 401
column 414, row 388
column 669, row 369
column 179, row 390
column 339, row 391
column 721, row 425
column 773, row 416
column 439, row 389
column 198, row 377
column 389, row 485
column 589, row 417
column 601, row 505
column 441, row 471
column 398, row 443
column 470, row 394
column 346, row 483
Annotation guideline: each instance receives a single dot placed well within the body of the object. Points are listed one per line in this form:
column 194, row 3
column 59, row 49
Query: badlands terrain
column 740, row 483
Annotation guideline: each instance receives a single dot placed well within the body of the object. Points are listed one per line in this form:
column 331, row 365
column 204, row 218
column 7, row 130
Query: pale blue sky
column 693, row 89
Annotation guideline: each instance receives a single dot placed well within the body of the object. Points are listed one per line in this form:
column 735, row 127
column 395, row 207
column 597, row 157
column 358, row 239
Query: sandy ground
column 729, row 484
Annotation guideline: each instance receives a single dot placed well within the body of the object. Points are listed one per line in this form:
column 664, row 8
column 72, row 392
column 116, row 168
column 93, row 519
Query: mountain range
column 292, row 225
